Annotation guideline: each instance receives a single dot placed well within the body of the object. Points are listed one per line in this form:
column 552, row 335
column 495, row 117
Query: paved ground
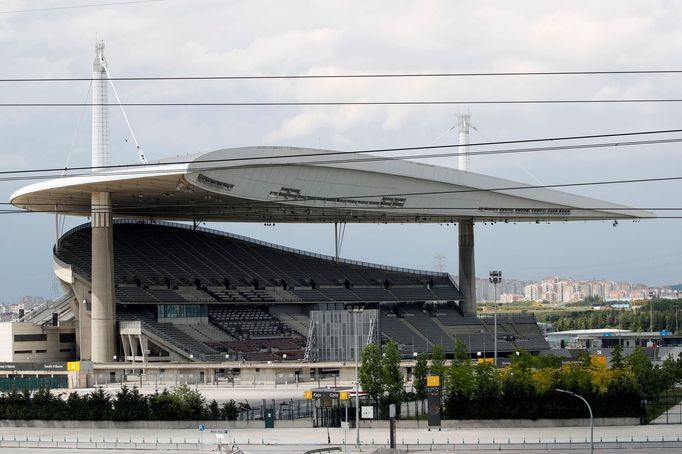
column 301, row 440
column 295, row 450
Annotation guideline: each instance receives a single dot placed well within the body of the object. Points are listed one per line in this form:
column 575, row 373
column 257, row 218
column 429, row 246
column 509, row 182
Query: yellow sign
column 432, row 381
column 308, row 395
column 73, row 365
column 343, row 395
column 485, row 360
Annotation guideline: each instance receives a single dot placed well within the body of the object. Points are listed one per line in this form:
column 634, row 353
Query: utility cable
column 89, row 5
column 387, row 150
column 350, row 76
column 348, row 103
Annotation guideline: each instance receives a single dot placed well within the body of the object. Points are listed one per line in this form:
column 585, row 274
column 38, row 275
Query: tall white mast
column 463, row 122
column 100, row 110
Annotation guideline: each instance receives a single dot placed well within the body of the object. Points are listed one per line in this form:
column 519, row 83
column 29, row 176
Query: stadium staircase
column 171, row 337
column 42, row 314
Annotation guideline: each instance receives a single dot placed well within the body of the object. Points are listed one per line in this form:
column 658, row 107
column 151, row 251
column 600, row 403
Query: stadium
column 139, row 289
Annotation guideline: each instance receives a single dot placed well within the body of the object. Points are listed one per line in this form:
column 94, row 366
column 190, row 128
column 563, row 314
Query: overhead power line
column 87, row 5
column 383, row 150
column 347, row 103
column 347, row 76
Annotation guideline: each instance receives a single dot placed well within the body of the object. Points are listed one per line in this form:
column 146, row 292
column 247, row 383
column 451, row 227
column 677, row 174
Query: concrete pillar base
column 103, row 328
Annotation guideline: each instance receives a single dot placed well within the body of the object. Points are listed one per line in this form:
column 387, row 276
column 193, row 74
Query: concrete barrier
column 491, row 423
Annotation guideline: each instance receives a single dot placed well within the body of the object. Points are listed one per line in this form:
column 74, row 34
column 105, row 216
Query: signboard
column 73, row 365
column 485, row 360
column 433, row 400
column 325, row 394
column 432, row 381
column 367, row 412
column 316, row 394
column 202, row 427
column 61, row 367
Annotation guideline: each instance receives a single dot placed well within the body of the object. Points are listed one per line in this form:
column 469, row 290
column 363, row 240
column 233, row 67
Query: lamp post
column 495, row 278
column 591, row 416
column 355, row 310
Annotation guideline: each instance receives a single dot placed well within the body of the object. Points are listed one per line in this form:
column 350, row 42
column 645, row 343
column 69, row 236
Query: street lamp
column 495, row 278
column 591, row 416
column 355, row 310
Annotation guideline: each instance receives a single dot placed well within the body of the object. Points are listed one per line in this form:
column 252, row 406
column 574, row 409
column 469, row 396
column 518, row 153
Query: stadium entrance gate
column 331, row 407
column 330, row 416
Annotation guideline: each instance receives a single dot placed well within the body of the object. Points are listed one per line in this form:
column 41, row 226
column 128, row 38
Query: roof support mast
column 103, row 312
column 467, row 267
column 464, row 160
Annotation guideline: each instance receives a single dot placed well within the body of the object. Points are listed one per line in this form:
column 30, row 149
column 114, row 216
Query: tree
column 518, row 379
column 230, row 411
column 370, row 372
column 487, row 381
column 391, row 376
column 98, row 405
column 189, row 404
column 438, row 362
column 130, row 405
column 617, row 357
column 461, row 351
column 421, row 369
column 461, row 383
column 214, row 410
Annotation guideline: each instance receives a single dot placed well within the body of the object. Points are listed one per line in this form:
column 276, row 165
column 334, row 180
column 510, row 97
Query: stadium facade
column 143, row 290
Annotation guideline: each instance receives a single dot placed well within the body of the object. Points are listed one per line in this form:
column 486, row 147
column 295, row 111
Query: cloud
column 214, row 37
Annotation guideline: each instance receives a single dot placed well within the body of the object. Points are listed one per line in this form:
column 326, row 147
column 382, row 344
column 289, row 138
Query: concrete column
column 83, row 293
column 103, row 335
column 467, row 268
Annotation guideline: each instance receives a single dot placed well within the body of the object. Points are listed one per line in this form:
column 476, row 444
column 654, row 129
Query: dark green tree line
column 127, row 404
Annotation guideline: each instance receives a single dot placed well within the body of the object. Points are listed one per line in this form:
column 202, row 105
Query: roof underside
column 274, row 184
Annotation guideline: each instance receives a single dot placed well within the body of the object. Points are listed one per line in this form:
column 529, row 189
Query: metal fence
column 666, row 409
column 283, row 409
column 160, row 380
column 32, row 383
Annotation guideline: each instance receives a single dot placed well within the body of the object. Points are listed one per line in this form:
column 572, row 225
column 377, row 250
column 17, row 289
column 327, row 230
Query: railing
column 339, row 441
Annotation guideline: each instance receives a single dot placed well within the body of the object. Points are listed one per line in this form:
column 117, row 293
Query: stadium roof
column 283, row 184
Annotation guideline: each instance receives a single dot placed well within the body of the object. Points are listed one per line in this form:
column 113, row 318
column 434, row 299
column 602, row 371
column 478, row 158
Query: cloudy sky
column 42, row 38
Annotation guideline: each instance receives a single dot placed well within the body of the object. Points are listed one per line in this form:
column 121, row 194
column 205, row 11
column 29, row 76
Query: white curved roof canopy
column 282, row 184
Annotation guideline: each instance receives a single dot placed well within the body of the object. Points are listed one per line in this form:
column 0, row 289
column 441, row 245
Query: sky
column 257, row 37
